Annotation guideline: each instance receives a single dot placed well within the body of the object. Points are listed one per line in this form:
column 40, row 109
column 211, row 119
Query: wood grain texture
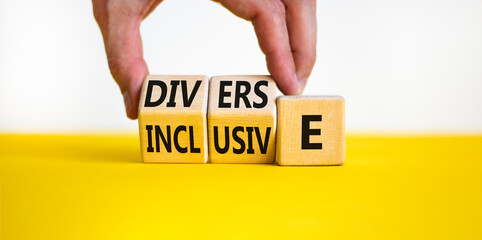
column 311, row 130
column 172, row 119
column 242, row 119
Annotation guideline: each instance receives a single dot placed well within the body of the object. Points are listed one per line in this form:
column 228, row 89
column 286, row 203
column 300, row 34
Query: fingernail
column 297, row 84
column 302, row 85
column 127, row 102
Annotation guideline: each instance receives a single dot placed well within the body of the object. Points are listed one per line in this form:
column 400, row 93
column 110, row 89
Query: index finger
column 301, row 22
column 269, row 21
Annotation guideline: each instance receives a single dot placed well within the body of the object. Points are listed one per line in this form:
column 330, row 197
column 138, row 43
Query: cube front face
column 172, row 119
column 311, row 130
column 242, row 119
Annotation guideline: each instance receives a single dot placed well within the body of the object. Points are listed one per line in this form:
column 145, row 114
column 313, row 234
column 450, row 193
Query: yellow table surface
column 95, row 187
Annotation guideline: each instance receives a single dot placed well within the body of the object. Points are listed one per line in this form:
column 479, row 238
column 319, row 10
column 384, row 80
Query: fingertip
column 130, row 105
column 302, row 85
column 288, row 86
column 280, row 65
column 129, row 76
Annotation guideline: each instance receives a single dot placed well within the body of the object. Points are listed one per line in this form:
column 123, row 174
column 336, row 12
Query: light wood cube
column 242, row 119
column 311, row 130
column 172, row 119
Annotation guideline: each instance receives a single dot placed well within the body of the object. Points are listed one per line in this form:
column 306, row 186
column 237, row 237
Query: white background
column 413, row 65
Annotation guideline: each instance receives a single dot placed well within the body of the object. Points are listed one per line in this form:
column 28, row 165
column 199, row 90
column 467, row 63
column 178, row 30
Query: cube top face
column 175, row 93
column 242, row 119
column 250, row 94
column 172, row 119
column 311, row 130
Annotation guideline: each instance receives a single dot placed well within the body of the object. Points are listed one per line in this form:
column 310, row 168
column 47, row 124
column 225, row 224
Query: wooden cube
column 172, row 119
column 311, row 130
column 242, row 119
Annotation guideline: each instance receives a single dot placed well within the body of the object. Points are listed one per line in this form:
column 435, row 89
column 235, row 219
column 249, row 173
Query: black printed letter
column 306, row 132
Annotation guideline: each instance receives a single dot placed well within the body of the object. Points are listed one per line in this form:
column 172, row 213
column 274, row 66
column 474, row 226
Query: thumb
column 123, row 46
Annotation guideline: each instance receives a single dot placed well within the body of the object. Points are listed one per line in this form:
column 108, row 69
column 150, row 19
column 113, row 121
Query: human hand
column 286, row 31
